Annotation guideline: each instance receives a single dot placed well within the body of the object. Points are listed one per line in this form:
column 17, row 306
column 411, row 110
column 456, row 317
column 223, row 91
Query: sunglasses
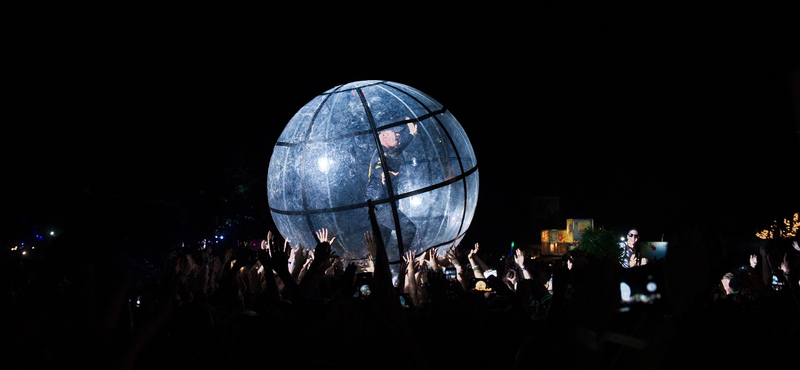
column 634, row 236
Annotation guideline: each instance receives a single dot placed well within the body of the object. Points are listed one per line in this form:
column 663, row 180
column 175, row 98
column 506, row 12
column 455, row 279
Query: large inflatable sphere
column 377, row 140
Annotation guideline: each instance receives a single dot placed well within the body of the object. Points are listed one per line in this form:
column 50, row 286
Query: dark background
column 160, row 120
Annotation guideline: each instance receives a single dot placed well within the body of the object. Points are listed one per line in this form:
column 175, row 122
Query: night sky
column 659, row 117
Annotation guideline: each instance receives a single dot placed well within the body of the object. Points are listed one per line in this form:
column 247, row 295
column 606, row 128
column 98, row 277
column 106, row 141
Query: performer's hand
column 383, row 175
column 412, row 128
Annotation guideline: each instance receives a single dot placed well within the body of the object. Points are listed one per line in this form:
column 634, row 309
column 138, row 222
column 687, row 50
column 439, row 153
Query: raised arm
column 276, row 257
column 454, row 257
column 323, row 236
column 478, row 259
column 411, row 277
column 402, row 270
column 510, row 278
column 476, row 262
column 319, row 263
column 297, row 257
column 522, row 262
column 430, row 258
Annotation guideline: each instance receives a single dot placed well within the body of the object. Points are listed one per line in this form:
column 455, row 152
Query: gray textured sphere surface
column 378, row 140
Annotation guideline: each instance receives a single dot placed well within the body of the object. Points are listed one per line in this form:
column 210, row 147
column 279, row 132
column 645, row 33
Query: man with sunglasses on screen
column 629, row 250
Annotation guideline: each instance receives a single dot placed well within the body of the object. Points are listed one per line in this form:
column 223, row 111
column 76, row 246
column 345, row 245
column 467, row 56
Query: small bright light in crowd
column 24, row 252
column 622, row 238
column 52, row 233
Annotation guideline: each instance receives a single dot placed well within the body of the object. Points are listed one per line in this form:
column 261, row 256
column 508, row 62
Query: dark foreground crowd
column 87, row 304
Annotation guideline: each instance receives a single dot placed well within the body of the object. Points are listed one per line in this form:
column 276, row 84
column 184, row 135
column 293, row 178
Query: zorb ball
column 377, row 140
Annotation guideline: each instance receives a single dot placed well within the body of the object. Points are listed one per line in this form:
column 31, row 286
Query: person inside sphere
column 393, row 141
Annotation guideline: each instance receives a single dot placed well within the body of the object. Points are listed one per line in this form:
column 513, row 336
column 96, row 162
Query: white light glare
column 324, row 164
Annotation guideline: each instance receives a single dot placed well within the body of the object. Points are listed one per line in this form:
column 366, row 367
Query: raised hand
column 297, row 258
column 322, row 234
column 519, row 258
column 411, row 277
column 510, row 278
column 369, row 243
column 472, row 254
column 402, row 270
column 265, row 244
column 430, row 256
column 410, row 261
column 412, row 127
column 453, row 256
column 423, row 273
column 370, row 263
column 304, row 269
column 473, row 251
column 276, row 257
column 478, row 267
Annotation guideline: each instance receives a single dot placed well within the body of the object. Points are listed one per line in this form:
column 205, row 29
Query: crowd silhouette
column 86, row 303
